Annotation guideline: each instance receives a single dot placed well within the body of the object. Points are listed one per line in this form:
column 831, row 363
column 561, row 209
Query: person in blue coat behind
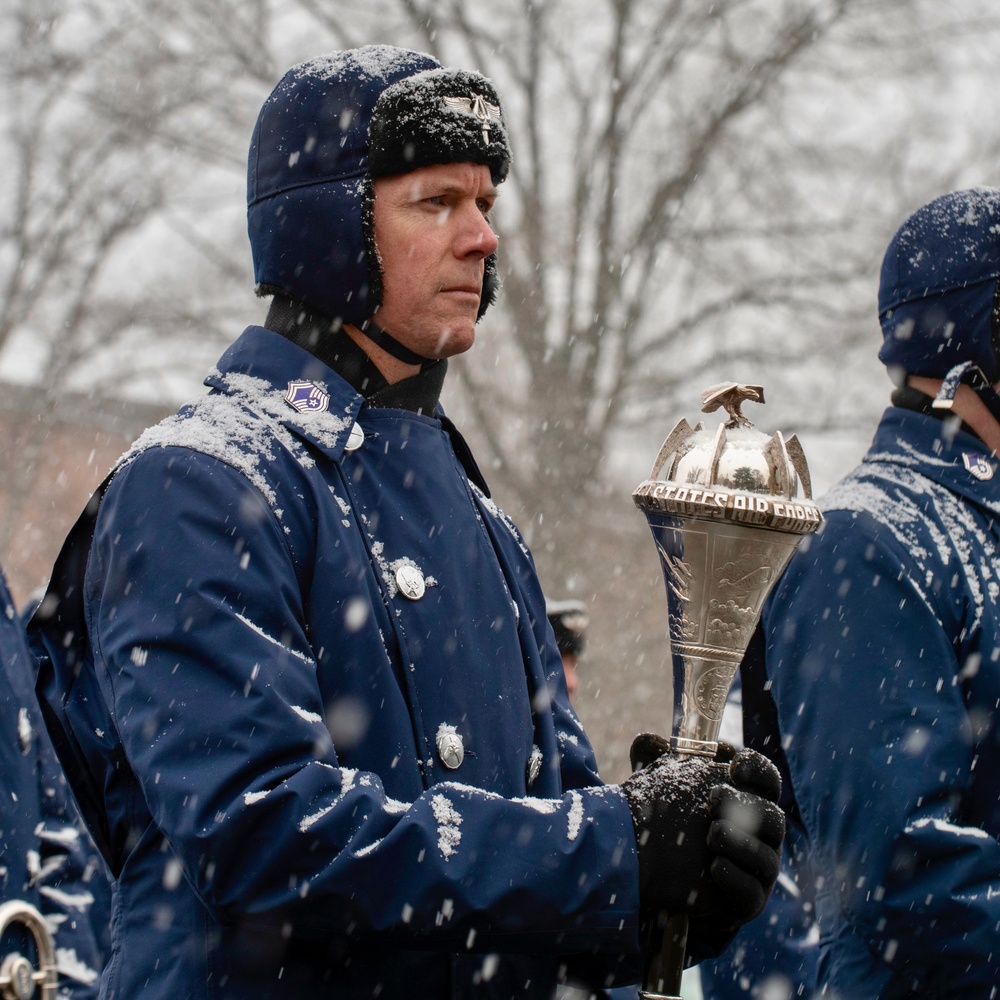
column 569, row 620
column 773, row 956
column 875, row 679
column 45, row 859
column 298, row 667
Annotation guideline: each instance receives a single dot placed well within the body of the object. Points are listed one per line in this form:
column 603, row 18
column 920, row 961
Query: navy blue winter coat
column 250, row 711
column 45, row 859
column 883, row 657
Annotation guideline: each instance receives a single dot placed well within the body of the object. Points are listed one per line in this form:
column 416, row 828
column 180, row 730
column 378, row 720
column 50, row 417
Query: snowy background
column 701, row 191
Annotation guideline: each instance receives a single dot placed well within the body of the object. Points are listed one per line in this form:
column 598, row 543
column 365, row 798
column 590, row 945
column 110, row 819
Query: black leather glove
column 746, row 833
column 708, row 832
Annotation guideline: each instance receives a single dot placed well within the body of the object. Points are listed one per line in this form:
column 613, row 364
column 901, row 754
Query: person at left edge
column 43, row 851
column 298, row 668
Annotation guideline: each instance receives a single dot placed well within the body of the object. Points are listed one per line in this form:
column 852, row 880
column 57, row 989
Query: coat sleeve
column 196, row 619
column 866, row 674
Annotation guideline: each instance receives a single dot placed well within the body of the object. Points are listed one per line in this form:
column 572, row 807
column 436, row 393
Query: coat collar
column 278, row 379
column 961, row 463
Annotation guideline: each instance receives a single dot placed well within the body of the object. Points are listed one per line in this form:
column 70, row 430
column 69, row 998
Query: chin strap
column 973, row 376
column 390, row 345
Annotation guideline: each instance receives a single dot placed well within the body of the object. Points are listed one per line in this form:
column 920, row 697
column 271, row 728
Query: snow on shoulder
column 242, row 428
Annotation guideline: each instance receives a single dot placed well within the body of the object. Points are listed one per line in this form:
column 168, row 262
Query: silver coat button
column 450, row 748
column 410, row 581
column 534, row 765
column 355, row 439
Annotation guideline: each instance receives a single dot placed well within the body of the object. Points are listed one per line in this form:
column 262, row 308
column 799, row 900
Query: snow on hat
column 438, row 116
column 329, row 127
column 937, row 298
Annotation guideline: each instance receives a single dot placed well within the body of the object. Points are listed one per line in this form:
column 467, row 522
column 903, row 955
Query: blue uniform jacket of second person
column 303, row 684
column 883, row 667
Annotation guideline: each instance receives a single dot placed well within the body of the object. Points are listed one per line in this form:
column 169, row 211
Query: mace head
column 732, row 472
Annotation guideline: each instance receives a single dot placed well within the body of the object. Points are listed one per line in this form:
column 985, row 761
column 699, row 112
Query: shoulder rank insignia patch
column 307, row 397
column 978, row 464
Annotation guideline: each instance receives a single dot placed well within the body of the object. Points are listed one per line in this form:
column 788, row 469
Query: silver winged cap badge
column 479, row 108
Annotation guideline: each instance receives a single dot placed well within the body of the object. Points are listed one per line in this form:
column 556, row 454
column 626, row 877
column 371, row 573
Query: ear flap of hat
column 491, row 285
column 929, row 336
column 307, row 243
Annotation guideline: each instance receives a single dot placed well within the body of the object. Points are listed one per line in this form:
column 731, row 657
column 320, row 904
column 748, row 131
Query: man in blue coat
column 876, row 678
column 45, row 859
column 299, row 669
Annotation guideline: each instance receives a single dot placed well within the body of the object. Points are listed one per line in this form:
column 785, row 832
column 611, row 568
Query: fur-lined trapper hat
column 330, row 127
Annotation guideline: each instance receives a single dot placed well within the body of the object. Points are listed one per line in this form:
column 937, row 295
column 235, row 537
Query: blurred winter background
column 701, row 191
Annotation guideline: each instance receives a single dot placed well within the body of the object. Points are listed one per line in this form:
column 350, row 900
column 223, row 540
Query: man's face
column 433, row 235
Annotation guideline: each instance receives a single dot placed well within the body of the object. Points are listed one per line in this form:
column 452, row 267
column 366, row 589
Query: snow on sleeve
column 63, row 835
column 270, row 638
column 449, row 820
column 367, row 849
column 80, row 901
column 69, row 965
column 576, row 815
column 544, row 806
column 38, row 872
column 952, row 829
column 347, row 778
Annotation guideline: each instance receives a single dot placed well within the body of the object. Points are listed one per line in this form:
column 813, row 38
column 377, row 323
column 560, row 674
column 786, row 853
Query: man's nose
column 477, row 237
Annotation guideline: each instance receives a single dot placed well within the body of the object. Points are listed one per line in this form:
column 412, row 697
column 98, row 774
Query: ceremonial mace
column 726, row 515
column 19, row 978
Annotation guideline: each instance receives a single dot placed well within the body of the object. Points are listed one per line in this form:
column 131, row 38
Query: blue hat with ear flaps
column 937, row 292
column 329, row 127
column 306, row 178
